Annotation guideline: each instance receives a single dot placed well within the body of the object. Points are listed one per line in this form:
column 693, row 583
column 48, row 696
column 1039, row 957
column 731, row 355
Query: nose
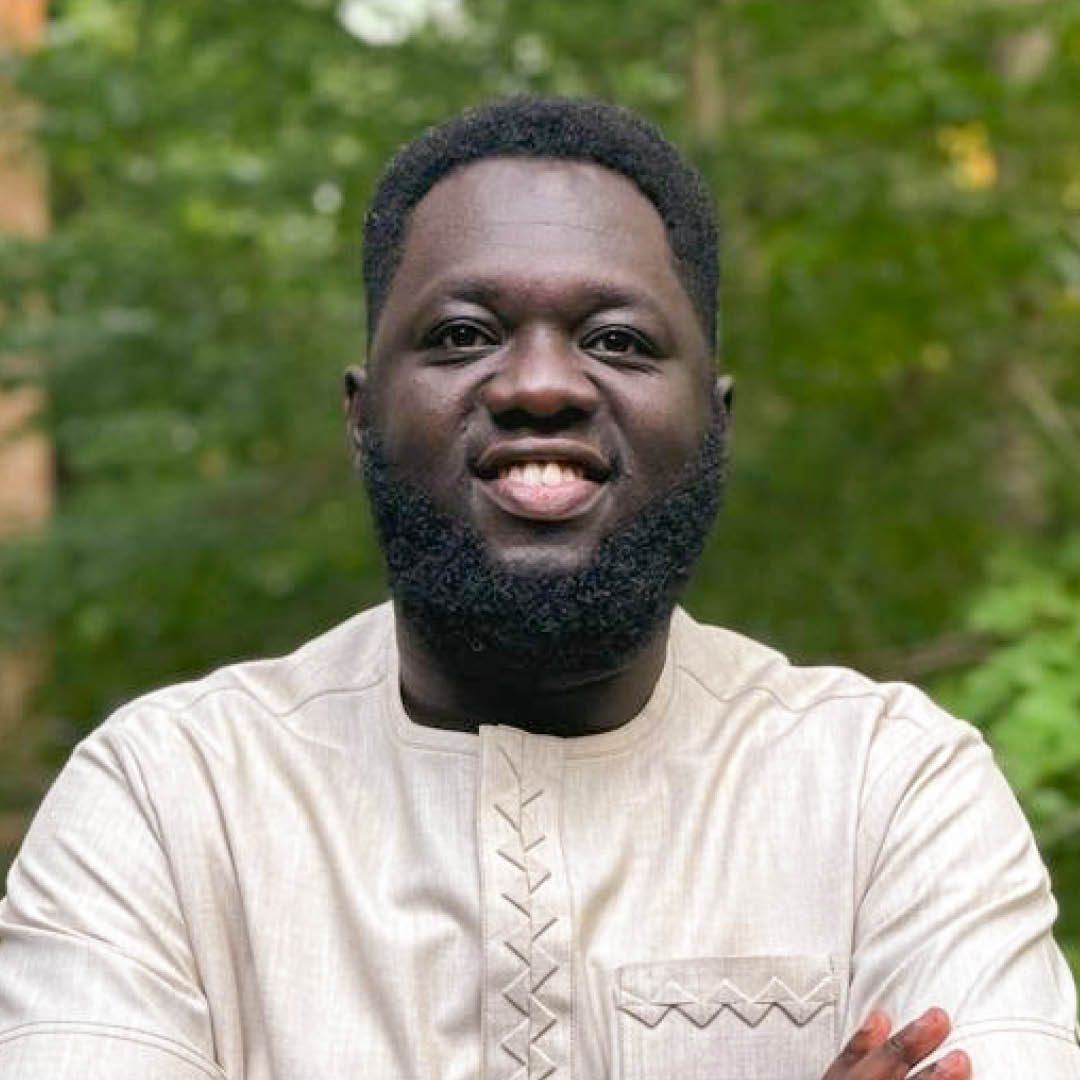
column 542, row 383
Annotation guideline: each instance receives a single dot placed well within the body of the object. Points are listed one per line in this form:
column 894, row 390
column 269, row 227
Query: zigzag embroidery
column 537, row 966
column 750, row 1008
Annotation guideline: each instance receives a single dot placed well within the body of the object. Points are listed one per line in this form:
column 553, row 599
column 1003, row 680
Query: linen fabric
column 274, row 874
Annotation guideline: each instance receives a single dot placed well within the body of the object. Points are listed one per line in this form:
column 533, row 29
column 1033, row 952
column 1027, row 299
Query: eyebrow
column 592, row 295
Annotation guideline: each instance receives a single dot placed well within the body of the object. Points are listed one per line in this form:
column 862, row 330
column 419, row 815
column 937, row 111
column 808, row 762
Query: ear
column 725, row 393
column 356, row 407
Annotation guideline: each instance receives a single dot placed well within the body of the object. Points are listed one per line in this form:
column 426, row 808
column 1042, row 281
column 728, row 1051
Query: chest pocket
column 726, row 1018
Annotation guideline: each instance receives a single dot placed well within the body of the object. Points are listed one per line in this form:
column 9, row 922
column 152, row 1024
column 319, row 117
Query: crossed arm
column 94, row 965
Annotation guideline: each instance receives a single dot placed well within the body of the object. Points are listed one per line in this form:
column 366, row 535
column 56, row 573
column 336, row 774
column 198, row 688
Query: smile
column 543, row 482
column 541, row 488
column 545, row 473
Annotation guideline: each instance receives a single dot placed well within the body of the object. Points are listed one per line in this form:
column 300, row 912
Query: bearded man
column 529, row 820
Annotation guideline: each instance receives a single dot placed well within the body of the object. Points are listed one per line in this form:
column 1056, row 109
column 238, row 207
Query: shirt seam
column 902, row 753
column 161, row 1043
column 179, row 712
column 1001, row 1025
column 94, row 942
column 803, row 709
column 125, row 757
column 898, row 761
column 914, row 743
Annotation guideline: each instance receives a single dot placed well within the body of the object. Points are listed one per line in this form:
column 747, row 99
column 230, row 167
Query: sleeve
column 97, row 978
column 954, row 909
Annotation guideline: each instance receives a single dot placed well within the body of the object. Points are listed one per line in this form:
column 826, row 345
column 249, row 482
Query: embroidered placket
column 527, row 932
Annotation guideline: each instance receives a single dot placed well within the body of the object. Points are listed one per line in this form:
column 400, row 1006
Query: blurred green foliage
column 899, row 184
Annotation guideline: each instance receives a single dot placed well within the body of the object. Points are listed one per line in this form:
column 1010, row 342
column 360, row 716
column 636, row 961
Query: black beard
column 529, row 626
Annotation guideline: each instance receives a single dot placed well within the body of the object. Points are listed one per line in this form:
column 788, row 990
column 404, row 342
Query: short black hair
column 577, row 129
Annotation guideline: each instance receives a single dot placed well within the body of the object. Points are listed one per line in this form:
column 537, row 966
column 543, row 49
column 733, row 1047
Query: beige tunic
column 273, row 874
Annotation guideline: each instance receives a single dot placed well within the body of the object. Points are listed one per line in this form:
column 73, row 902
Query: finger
column 955, row 1065
column 908, row 1046
column 874, row 1031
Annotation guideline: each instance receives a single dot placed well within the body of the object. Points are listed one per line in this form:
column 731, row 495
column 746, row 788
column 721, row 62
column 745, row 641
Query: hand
column 873, row 1055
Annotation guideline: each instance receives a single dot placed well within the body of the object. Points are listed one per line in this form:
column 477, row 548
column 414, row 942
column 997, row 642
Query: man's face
column 538, row 369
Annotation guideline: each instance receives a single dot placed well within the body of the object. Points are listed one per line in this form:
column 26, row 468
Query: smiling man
column 543, row 439
column 529, row 820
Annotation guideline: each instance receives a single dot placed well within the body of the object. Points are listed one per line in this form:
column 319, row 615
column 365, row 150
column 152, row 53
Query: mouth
column 543, row 482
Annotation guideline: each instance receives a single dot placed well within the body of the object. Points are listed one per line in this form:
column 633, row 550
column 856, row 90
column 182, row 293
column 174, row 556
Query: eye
column 617, row 342
column 460, row 336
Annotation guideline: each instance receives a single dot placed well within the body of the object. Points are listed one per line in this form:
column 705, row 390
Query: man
column 531, row 820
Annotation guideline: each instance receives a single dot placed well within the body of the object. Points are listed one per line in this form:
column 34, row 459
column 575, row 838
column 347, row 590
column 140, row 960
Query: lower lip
column 541, row 502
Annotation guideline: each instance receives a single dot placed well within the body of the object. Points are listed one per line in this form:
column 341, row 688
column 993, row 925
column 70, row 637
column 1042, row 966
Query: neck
column 437, row 694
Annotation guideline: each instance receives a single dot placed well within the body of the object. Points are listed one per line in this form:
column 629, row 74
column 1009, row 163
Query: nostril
column 518, row 418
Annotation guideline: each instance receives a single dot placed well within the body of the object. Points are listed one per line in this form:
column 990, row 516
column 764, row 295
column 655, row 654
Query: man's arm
column 953, row 908
column 97, row 979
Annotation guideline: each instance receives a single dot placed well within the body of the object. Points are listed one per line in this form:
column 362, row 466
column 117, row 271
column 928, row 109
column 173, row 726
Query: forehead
column 501, row 194
column 539, row 223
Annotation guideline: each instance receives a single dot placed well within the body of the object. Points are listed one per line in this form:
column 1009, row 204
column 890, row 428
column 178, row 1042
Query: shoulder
column 892, row 721
column 325, row 676
column 910, row 778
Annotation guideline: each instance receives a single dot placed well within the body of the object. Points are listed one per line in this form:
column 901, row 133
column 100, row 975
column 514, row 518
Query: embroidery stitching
column 524, row 991
column 751, row 1009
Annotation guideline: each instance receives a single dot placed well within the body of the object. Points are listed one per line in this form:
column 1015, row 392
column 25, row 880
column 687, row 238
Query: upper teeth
column 547, row 473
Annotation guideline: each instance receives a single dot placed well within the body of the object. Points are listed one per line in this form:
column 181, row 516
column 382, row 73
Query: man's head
column 540, row 426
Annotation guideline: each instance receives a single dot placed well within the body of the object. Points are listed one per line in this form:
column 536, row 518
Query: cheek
column 665, row 430
column 420, row 422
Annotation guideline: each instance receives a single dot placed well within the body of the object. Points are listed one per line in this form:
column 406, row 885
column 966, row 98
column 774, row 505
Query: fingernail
column 952, row 1064
column 871, row 1023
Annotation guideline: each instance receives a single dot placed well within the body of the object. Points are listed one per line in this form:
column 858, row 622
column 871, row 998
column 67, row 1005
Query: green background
column 899, row 185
